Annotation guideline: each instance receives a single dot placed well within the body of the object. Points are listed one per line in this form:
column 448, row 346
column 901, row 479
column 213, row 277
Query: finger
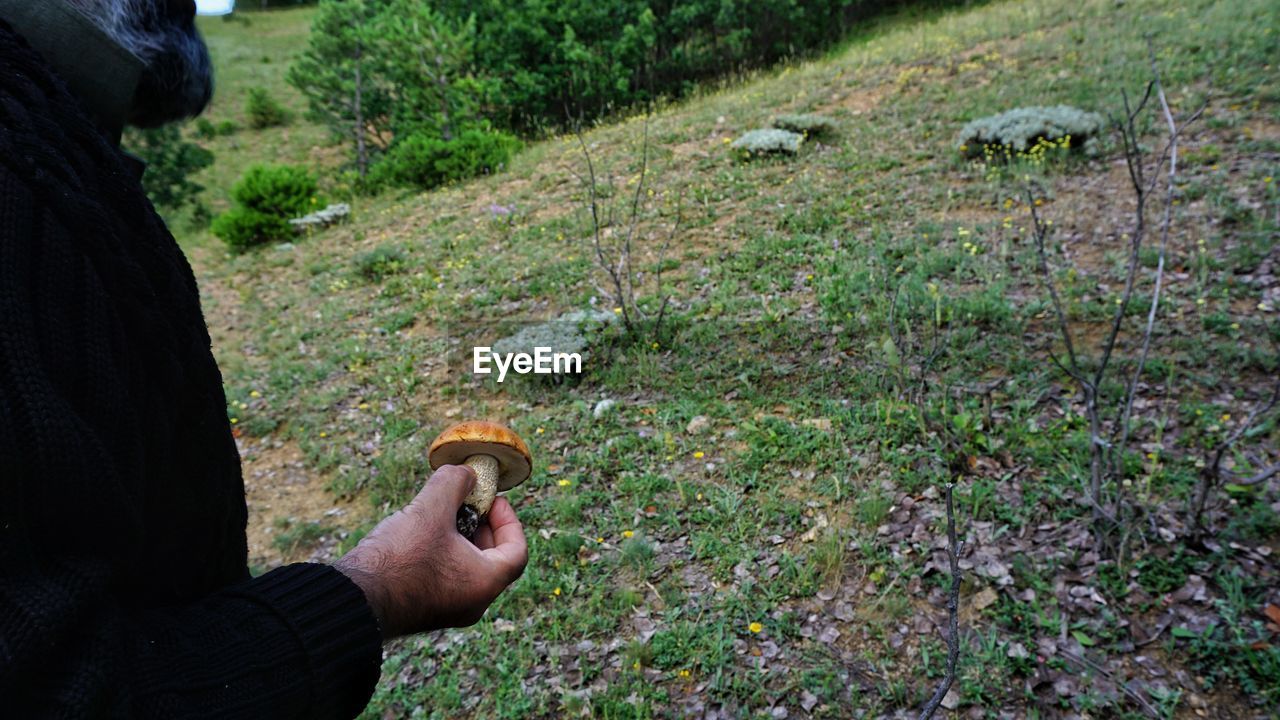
column 448, row 486
column 510, row 548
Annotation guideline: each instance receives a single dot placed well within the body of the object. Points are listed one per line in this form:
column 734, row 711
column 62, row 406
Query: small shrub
column 807, row 124
column 281, row 190
column 205, row 129
column 425, row 161
column 771, row 141
column 267, row 196
column 241, row 228
column 263, row 111
column 1027, row 130
column 572, row 332
column 380, row 262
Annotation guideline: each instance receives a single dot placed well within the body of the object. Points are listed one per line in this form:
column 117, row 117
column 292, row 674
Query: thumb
column 447, row 487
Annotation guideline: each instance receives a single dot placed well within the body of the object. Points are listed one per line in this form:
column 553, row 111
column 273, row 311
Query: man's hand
column 420, row 574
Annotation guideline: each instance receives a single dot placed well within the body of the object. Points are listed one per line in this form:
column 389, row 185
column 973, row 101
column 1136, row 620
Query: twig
column 1046, row 277
column 1171, row 152
column 953, row 613
column 616, row 254
column 597, row 230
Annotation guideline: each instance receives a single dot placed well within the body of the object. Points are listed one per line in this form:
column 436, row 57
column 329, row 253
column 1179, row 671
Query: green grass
column 254, row 51
column 787, row 336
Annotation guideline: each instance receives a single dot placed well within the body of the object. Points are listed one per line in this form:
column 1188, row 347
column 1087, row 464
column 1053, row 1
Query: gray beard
column 177, row 81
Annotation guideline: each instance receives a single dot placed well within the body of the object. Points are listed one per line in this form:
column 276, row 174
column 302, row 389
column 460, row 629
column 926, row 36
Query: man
column 124, row 590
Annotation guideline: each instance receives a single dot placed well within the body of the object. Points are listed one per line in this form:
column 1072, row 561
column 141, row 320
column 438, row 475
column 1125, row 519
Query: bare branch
column 597, row 231
column 1122, row 428
column 953, row 613
column 1046, row 277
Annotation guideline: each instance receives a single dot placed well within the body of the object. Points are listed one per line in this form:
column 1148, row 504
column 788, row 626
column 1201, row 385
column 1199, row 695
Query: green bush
column 424, row 161
column 527, row 66
column 606, row 54
column 241, row 228
column 809, row 125
column 171, row 161
column 281, row 190
column 267, row 197
column 380, row 262
column 263, row 111
column 1029, row 130
column 205, row 129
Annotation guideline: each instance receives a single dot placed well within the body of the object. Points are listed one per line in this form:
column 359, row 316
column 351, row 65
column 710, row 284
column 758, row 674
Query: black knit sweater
column 124, row 589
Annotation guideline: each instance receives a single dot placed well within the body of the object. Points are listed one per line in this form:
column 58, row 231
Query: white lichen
column 769, row 141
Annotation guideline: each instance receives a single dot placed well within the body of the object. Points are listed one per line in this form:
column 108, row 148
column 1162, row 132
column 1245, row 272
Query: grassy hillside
column 754, row 526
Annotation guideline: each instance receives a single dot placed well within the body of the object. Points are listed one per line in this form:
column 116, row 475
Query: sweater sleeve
column 78, row 638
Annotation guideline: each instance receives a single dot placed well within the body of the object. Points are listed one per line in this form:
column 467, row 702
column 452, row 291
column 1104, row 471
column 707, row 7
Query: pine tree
column 342, row 76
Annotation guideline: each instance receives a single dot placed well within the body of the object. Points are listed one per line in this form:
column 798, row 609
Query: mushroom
column 497, row 455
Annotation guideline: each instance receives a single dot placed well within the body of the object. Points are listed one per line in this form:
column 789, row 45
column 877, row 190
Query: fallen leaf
column 984, row 599
column 1273, row 613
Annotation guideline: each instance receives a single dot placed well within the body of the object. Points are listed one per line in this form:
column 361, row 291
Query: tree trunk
column 362, row 152
column 442, row 80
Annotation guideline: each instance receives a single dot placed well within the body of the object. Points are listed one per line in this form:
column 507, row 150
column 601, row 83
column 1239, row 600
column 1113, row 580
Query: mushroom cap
column 479, row 437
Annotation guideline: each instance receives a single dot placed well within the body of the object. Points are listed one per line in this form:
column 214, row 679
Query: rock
column 321, row 218
column 1017, row 651
column 951, row 700
column 984, row 599
column 603, row 407
column 697, row 425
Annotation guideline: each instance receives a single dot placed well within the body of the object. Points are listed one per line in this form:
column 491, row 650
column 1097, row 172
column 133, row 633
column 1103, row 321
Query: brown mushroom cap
column 455, row 445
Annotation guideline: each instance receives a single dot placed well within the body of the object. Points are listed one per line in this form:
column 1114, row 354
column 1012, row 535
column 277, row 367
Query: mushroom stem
column 486, row 470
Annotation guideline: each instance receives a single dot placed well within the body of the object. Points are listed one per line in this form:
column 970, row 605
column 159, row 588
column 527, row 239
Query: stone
column 321, row 219
column 603, row 407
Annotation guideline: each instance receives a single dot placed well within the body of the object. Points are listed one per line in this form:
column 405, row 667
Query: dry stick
column 1121, row 433
column 1213, row 472
column 1072, row 367
column 1046, row 277
column 953, row 613
column 628, row 270
column 1143, row 188
column 597, row 241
